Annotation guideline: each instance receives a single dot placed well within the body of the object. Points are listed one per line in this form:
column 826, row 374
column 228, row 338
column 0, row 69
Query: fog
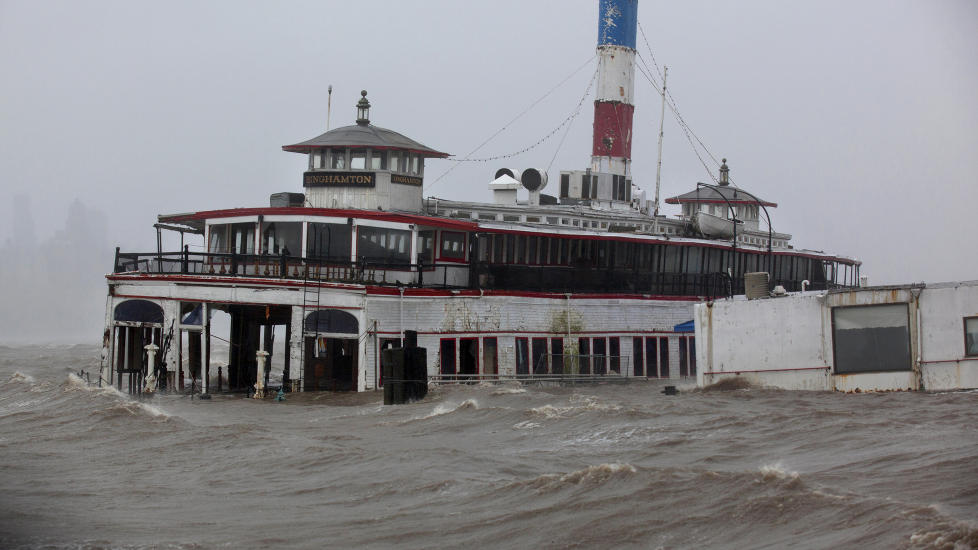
column 858, row 118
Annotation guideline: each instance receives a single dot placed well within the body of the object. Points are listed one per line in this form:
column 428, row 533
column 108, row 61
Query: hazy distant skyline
column 859, row 119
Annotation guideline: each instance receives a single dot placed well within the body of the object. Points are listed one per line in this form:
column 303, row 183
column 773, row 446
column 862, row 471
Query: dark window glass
column 522, row 356
column 692, row 356
column 585, row 187
column 683, row 350
column 599, row 351
column 557, row 355
column 452, row 245
column 448, row 356
column 384, row 245
column 426, row 247
column 663, row 357
column 531, row 250
column 564, row 185
column 329, row 241
column 638, row 356
column 614, row 354
column 584, row 350
column 651, row 369
column 539, row 363
column 871, row 338
column 468, row 356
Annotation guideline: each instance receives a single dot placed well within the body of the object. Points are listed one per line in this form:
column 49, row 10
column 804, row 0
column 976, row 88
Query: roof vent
column 534, row 181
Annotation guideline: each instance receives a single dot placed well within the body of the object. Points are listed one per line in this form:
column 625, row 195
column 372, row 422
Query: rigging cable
column 514, row 119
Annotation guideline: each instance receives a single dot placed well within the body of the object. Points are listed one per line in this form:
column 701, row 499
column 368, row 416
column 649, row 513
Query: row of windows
column 363, row 159
column 541, row 355
column 533, row 250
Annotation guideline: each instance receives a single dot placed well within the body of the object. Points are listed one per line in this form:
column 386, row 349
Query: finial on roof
column 724, row 173
column 363, row 109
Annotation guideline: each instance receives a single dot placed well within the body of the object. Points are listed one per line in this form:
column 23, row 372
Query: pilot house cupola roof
column 722, row 192
column 363, row 134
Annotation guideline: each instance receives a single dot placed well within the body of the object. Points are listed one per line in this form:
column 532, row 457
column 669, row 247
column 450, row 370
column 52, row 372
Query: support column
column 107, row 364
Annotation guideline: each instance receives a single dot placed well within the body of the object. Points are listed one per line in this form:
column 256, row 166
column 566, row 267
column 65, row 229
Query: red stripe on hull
column 612, row 129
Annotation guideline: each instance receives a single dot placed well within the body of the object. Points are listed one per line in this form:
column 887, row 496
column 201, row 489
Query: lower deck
column 212, row 337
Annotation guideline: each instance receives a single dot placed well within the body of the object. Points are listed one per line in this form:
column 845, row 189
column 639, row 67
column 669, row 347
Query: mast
column 329, row 104
column 658, row 168
column 611, row 149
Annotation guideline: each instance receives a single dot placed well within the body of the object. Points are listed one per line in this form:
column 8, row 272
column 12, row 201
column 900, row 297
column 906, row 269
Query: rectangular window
column 599, row 349
column 218, row 242
column 531, row 250
column 243, row 238
column 971, row 336
column 415, row 164
column 358, row 160
column 452, row 245
column 510, row 248
column 585, row 187
column 426, row 247
column 490, row 356
column 564, row 185
column 337, row 159
column 651, row 348
column 378, row 160
column 584, row 350
column 594, row 187
column 557, row 355
column 692, row 356
column 539, row 356
column 329, row 241
column 497, row 249
column 664, row 357
column 282, row 238
column 520, row 249
column 448, row 356
column 871, row 338
column 383, row 245
column 683, row 351
column 395, row 161
column 468, row 356
column 638, row 356
column 614, row 354
column 522, row 356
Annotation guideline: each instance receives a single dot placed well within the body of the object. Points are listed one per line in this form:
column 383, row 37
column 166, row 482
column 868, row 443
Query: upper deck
column 301, row 244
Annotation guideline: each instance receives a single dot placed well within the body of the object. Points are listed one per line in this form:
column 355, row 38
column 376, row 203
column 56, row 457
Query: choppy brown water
column 480, row 466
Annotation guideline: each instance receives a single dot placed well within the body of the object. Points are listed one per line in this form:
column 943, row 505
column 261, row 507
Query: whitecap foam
column 448, row 408
column 777, row 470
column 526, row 425
column 18, row 376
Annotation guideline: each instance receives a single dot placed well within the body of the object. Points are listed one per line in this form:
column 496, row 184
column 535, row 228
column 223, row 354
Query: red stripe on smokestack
column 612, row 129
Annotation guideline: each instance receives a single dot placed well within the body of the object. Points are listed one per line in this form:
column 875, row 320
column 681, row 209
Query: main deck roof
column 719, row 195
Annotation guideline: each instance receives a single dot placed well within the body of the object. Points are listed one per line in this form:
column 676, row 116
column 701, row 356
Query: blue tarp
column 688, row 326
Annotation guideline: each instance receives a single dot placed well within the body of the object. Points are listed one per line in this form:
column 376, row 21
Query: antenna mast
column 329, row 104
column 658, row 168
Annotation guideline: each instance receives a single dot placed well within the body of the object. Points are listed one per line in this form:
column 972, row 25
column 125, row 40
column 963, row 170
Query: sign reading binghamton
column 339, row 179
column 407, row 180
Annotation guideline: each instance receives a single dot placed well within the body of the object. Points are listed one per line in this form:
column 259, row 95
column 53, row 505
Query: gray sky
column 860, row 119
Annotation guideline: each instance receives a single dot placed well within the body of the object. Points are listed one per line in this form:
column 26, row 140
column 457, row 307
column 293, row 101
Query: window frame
column 441, row 244
column 965, row 326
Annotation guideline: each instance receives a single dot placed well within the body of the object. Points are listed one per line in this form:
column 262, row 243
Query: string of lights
column 467, row 157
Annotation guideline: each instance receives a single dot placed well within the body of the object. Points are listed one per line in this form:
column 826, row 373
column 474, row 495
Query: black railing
column 362, row 271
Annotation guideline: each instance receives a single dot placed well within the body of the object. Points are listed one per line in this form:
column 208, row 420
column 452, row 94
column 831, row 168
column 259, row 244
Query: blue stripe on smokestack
column 617, row 20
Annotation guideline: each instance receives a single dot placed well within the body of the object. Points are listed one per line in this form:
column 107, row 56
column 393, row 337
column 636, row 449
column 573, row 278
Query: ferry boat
column 589, row 283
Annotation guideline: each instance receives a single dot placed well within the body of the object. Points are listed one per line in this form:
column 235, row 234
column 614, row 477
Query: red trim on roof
column 299, row 148
column 675, row 200
column 331, row 212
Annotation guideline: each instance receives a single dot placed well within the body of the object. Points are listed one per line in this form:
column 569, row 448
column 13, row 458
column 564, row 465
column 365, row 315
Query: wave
column 580, row 404
column 728, row 384
column 946, row 534
column 592, row 475
column 132, row 408
column 19, row 377
column 447, row 408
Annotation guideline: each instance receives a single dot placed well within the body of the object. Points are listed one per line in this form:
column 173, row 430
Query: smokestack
column 611, row 150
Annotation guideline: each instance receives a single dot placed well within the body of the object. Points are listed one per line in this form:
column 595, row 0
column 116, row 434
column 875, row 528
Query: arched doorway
column 331, row 351
column 136, row 324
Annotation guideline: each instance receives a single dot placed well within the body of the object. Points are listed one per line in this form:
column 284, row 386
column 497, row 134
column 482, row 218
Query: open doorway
column 331, row 351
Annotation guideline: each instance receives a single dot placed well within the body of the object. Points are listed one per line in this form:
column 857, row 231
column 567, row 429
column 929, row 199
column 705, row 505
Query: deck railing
column 362, row 271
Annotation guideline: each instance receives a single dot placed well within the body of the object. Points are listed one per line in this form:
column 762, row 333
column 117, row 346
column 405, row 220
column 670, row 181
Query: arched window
column 139, row 311
column 331, row 321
